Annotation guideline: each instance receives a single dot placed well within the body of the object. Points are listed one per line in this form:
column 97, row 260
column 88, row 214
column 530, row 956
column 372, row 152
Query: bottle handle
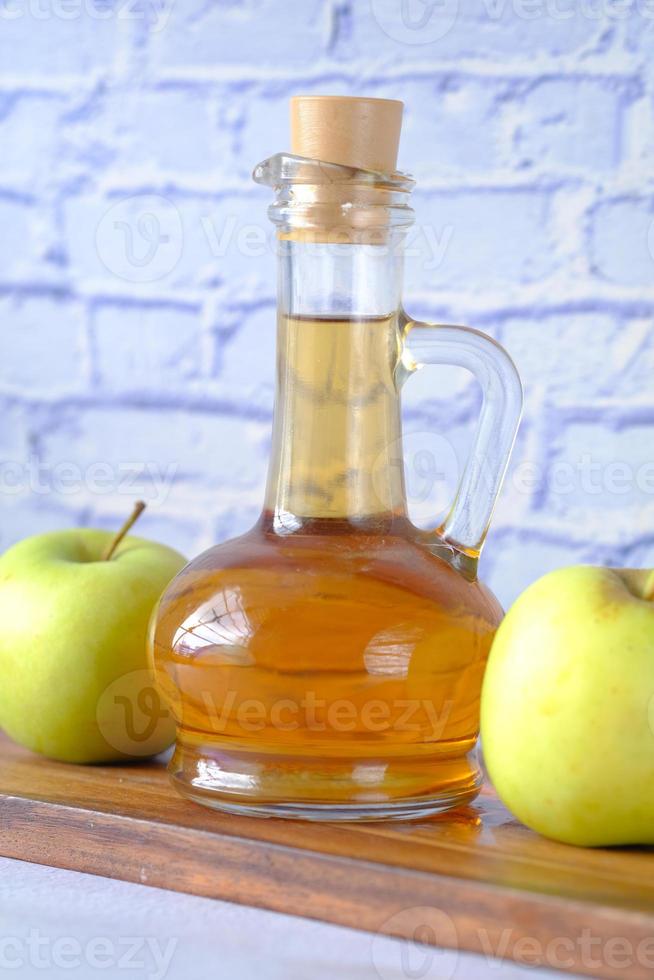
column 467, row 522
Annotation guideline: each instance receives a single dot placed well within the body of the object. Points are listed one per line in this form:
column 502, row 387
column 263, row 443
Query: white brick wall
column 530, row 127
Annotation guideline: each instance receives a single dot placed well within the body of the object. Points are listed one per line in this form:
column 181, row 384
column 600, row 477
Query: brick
column 639, row 29
column 568, row 123
column 29, row 136
column 170, row 240
column 35, row 39
column 622, row 241
column 638, row 134
column 633, row 353
column 171, row 130
column 513, row 559
column 23, row 517
column 164, row 450
column 474, row 239
column 125, row 239
column 582, row 355
column 455, row 29
column 239, row 242
column 258, row 34
column 13, row 432
column 458, row 135
column 41, row 348
column 146, row 347
column 19, row 242
column 246, row 358
column 601, row 475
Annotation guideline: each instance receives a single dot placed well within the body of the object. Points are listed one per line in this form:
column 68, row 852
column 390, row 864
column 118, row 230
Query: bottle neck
column 336, row 449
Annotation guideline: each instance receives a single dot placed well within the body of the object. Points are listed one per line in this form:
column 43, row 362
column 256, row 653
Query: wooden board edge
column 531, row 929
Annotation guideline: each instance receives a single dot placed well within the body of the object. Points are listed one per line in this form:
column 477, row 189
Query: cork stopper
column 354, row 132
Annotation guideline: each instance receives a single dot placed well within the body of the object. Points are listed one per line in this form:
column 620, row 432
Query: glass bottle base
column 336, row 789
column 349, row 812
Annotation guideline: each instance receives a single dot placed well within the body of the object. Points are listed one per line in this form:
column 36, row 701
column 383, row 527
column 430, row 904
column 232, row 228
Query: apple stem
column 139, row 507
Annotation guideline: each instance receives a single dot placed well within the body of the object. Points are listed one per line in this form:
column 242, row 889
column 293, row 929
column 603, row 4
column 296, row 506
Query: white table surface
column 63, row 924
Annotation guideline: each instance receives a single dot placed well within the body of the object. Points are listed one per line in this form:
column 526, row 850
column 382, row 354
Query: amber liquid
column 329, row 660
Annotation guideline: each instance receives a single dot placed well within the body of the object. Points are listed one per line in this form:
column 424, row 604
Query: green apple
column 74, row 681
column 567, row 713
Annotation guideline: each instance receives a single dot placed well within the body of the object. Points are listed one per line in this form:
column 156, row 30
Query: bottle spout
column 339, row 182
column 285, row 169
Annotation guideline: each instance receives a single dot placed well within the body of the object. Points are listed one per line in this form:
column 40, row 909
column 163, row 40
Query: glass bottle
column 328, row 663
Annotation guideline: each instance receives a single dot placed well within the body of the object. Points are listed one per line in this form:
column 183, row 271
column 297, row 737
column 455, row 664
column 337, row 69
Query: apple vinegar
column 328, row 663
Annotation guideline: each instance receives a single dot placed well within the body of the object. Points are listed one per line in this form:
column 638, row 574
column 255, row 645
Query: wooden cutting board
column 474, row 880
